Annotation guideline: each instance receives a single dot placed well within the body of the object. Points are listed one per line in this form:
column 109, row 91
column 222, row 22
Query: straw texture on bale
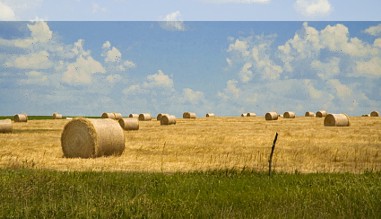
column 145, row 117
column 374, row 114
column 210, row 115
column 158, row 117
column 118, row 116
column 129, row 123
column 133, row 116
column 21, row 118
column 168, row 120
column 243, row 114
column 336, row 120
column 321, row 113
column 108, row 115
column 57, row 116
column 89, row 138
column 271, row 116
column 309, row 114
column 189, row 115
column 6, row 126
column 289, row 115
column 251, row 115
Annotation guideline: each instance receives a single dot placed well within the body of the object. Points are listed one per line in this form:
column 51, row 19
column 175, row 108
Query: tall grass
column 30, row 193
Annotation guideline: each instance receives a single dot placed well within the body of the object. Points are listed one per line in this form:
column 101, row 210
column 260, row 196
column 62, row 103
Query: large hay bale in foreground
column 89, row 138
column 160, row 115
column 374, row 114
column 129, row 123
column 168, row 120
column 321, row 113
column 108, row 115
column 289, row 115
column 309, row 114
column 251, row 115
column 271, row 116
column 336, row 120
column 145, row 117
column 6, row 126
column 57, row 116
column 189, row 115
column 133, row 116
column 20, row 118
column 210, row 115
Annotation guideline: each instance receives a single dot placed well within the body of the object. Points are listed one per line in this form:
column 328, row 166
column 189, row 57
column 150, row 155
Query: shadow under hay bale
column 251, row 115
column 129, row 123
column 289, row 115
column 20, row 118
column 309, row 114
column 189, row 115
column 57, row 116
column 168, row 120
column 374, row 114
column 145, row 117
column 90, row 138
column 336, row 120
column 321, row 113
column 271, row 116
column 6, row 126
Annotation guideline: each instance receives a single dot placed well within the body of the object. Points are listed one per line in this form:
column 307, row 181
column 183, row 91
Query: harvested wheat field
column 304, row 145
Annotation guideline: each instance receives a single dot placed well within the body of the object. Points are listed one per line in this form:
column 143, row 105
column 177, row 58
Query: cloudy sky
column 163, row 61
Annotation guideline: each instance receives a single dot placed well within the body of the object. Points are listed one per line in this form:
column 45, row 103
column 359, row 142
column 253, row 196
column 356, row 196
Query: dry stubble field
column 304, row 145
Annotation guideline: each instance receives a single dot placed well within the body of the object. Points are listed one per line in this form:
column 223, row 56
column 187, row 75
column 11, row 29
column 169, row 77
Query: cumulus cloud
column 370, row 67
column 113, row 57
column 231, row 91
column 39, row 60
column 311, row 8
column 173, row 22
column 374, row 30
column 192, row 96
column 158, row 80
column 6, row 12
column 34, row 77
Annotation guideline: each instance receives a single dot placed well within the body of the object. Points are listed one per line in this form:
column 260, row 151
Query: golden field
column 304, row 145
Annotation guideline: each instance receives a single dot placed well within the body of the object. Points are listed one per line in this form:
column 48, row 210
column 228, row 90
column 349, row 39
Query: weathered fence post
column 272, row 152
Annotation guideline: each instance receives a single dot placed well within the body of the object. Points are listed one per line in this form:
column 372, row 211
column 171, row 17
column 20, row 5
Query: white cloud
column 374, row 30
column 39, row 60
column 371, row 67
column 326, row 70
column 231, row 91
column 173, row 22
column 113, row 78
column 82, row 70
column 34, row 77
column 113, row 55
column 341, row 90
column 106, row 45
column 246, row 74
column 192, row 96
column 239, row 46
column 6, row 12
column 311, row 8
column 158, row 80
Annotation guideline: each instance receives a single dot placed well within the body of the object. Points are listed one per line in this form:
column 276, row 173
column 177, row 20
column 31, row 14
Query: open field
column 304, row 145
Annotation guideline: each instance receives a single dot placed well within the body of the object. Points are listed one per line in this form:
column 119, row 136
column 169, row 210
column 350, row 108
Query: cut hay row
column 57, row 116
column 336, row 120
column 321, row 113
column 132, row 115
column 271, row 116
column 158, row 117
column 309, row 114
column 145, row 117
column 89, row 138
column 129, row 124
column 289, row 115
column 189, row 115
column 210, row 115
column 115, row 116
column 168, row 120
column 20, row 118
column 6, row 126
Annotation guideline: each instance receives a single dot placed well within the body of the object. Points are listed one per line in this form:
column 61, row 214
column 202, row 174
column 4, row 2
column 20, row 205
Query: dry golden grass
column 304, row 145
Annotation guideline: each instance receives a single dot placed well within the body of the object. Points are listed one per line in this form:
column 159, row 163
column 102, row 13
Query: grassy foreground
column 28, row 193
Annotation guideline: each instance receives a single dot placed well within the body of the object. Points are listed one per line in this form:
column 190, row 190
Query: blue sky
column 173, row 64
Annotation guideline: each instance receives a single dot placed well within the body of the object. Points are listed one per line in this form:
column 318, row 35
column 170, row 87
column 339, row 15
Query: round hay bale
column 309, row 114
column 21, row 118
column 129, row 123
column 251, row 115
column 108, row 115
column 168, row 120
column 189, row 115
column 243, row 114
column 89, row 138
column 289, row 115
column 160, row 115
column 336, row 120
column 271, row 116
column 145, row 117
column 6, row 126
column 365, row 115
column 374, row 114
column 118, row 116
column 210, row 115
column 57, row 116
column 321, row 113
column 133, row 116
